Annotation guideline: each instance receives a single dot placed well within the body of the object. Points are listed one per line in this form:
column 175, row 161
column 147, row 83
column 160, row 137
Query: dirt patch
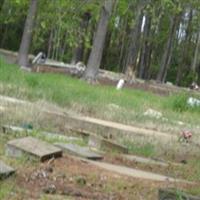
column 71, row 177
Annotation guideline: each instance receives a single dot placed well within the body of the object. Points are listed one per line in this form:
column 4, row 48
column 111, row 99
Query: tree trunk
column 166, row 58
column 79, row 50
column 27, row 34
column 3, row 39
column 106, row 55
column 64, row 46
column 98, row 44
column 183, row 65
column 198, row 74
column 195, row 59
column 50, row 43
column 133, row 49
column 123, row 43
column 1, row 4
column 145, row 53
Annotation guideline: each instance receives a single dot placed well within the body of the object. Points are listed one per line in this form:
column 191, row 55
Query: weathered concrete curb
column 134, row 172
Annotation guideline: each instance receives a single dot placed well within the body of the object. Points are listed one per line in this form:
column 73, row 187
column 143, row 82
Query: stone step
column 33, row 147
column 5, row 170
column 77, row 150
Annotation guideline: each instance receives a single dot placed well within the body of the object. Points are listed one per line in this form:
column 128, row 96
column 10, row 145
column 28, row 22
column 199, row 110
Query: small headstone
column 174, row 195
column 77, row 150
column 120, row 84
column 101, row 143
column 5, row 170
column 32, row 147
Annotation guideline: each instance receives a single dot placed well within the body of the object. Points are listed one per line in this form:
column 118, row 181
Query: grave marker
column 77, row 150
column 5, row 170
column 33, row 147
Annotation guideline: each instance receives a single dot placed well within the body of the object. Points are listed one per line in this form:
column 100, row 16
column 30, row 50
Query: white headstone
column 120, row 84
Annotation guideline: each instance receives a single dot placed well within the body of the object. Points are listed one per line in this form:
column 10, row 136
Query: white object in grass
column 193, row 102
column 120, row 84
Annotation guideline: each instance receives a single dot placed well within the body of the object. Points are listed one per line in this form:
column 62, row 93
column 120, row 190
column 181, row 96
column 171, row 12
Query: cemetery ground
column 69, row 177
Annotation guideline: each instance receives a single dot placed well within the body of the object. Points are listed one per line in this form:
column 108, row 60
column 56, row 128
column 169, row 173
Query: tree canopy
column 157, row 39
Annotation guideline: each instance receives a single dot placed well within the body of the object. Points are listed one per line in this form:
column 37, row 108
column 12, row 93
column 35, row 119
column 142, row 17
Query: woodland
column 155, row 39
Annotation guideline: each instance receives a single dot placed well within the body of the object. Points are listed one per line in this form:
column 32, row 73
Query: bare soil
column 69, row 177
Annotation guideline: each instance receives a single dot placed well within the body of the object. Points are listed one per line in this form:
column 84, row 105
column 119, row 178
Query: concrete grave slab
column 5, row 170
column 136, row 173
column 77, row 150
column 33, row 147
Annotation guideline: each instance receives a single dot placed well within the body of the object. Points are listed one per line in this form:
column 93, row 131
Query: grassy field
column 126, row 106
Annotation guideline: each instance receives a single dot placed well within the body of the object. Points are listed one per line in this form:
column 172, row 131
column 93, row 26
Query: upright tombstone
column 5, row 170
column 120, row 84
column 32, row 147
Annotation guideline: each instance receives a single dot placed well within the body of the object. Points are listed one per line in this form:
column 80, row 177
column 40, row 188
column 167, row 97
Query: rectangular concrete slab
column 77, row 150
column 33, row 147
column 5, row 170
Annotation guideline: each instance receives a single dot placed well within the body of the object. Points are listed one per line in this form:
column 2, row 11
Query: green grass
column 66, row 91
column 146, row 149
column 97, row 101
column 6, row 189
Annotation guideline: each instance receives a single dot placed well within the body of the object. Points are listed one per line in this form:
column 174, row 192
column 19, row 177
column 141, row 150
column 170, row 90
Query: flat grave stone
column 5, row 170
column 77, row 150
column 33, row 147
column 169, row 194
